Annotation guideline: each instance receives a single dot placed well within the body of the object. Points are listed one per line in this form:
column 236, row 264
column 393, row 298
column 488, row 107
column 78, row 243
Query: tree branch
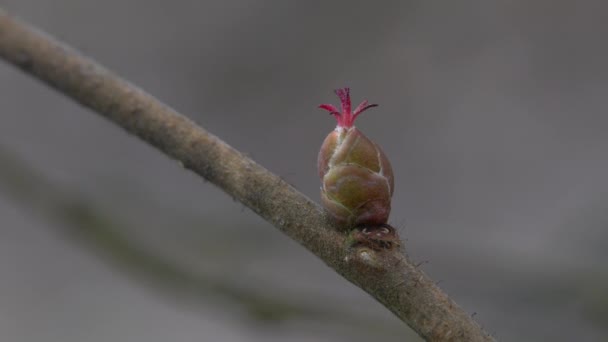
column 388, row 276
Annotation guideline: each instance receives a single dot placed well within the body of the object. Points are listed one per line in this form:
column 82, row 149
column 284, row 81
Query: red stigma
column 346, row 117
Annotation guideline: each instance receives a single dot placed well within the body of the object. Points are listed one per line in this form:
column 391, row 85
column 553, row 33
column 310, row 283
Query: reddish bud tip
column 346, row 118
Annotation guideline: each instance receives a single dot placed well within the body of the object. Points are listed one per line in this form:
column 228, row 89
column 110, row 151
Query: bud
column 357, row 178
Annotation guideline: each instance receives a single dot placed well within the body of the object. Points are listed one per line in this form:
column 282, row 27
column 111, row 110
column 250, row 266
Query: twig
column 388, row 276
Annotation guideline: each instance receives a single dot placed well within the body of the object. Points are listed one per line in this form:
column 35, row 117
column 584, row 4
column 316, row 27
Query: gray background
column 493, row 115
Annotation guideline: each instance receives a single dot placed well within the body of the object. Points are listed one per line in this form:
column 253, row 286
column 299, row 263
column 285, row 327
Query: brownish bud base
column 380, row 237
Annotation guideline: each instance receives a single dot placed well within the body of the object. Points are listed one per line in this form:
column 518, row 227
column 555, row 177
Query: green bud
column 357, row 178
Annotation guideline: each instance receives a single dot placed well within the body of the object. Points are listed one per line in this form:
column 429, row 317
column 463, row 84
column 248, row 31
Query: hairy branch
column 387, row 276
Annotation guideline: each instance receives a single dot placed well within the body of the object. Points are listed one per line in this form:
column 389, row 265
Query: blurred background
column 493, row 115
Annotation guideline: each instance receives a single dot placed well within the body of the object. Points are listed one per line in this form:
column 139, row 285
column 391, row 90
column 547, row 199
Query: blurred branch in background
column 82, row 221
column 389, row 276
